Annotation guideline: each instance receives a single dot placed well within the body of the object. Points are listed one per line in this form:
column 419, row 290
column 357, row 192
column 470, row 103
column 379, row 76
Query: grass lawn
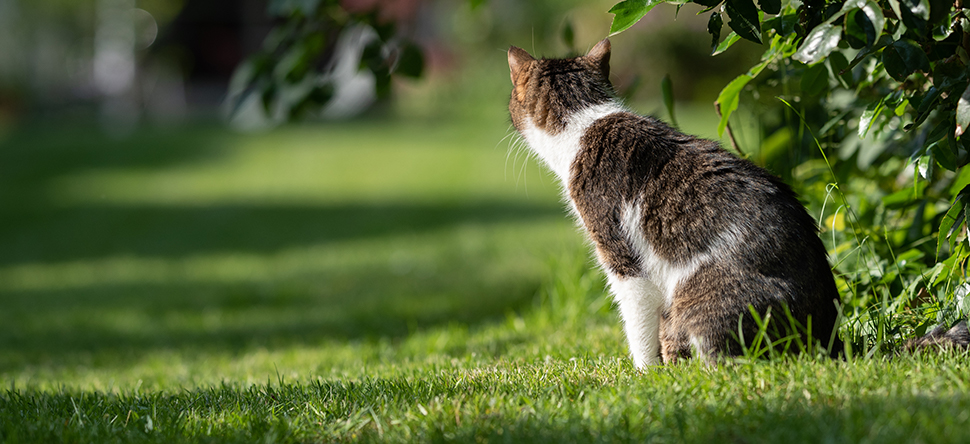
column 371, row 281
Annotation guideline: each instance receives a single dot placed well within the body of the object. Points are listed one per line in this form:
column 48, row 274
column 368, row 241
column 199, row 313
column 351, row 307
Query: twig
column 727, row 127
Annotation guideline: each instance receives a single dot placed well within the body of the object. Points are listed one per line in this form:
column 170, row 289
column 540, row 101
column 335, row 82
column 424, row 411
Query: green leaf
column 859, row 30
column 915, row 14
column 884, row 40
column 727, row 100
column 850, row 5
column 819, row 43
column 894, row 6
column 936, row 271
column 903, row 198
column 938, row 133
column 901, row 108
column 952, row 219
column 714, row 25
column 926, row 105
column 730, row 40
column 944, row 155
column 876, row 17
column 628, row 12
column 756, row 69
column 668, row 92
column 904, row 57
column 909, row 256
column 963, row 112
column 770, row 6
column 924, row 166
column 840, row 65
column 707, row 3
column 949, row 267
column 745, row 19
column 782, row 24
column 814, row 80
column 869, row 116
column 962, row 180
column 928, row 100
column 949, row 75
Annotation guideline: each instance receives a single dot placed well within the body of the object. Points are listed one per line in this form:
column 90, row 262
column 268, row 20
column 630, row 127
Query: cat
column 692, row 238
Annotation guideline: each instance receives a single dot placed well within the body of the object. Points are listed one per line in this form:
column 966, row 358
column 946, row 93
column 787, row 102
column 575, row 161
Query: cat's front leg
column 640, row 303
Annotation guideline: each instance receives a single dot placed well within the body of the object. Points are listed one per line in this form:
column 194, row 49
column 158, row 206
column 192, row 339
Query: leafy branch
column 293, row 75
column 884, row 85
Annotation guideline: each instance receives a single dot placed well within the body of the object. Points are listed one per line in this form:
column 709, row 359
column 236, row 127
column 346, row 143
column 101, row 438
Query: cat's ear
column 519, row 62
column 600, row 56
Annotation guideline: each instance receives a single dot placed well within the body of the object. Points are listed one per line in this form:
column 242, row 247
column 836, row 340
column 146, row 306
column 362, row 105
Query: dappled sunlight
column 400, row 162
column 400, row 255
column 168, row 245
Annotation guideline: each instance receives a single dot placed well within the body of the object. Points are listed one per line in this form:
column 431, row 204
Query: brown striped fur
column 729, row 236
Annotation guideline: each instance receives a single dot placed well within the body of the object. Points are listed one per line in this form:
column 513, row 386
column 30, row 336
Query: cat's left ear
column 600, row 56
column 519, row 62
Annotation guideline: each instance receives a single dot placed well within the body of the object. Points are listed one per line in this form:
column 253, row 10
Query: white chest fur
column 559, row 150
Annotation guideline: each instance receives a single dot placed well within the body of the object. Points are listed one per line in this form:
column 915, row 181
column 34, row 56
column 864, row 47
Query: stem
column 727, row 128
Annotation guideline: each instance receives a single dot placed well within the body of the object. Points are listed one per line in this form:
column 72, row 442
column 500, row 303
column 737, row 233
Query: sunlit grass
column 371, row 281
column 386, row 162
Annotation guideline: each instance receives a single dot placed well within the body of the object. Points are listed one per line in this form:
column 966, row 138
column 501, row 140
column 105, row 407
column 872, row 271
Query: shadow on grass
column 32, row 154
column 56, row 235
column 234, row 320
column 382, row 297
column 366, row 294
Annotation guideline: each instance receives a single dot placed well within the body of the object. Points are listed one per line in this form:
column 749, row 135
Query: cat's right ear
column 600, row 56
column 519, row 62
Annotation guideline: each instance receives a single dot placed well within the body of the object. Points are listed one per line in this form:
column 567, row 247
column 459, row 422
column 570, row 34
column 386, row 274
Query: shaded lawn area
column 199, row 240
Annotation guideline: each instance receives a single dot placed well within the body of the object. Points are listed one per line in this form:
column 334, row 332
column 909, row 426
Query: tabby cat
column 693, row 240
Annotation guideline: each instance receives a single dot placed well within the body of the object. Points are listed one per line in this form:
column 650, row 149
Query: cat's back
column 697, row 218
column 684, row 184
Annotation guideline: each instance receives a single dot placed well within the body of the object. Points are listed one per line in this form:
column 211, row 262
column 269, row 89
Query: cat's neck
column 558, row 150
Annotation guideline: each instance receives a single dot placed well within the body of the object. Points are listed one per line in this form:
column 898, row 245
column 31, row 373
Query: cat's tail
column 956, row 337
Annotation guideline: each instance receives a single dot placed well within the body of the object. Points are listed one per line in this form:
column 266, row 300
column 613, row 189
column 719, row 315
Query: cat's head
column 547, row 91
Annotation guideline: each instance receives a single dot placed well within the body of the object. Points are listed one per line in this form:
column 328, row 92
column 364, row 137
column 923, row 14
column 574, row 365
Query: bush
column 874, row 100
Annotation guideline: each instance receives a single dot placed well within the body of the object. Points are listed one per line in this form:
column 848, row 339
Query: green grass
column 401, row 281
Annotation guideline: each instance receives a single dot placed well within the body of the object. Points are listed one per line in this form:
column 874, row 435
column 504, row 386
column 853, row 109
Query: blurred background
column 130, row 62
column 160, row 191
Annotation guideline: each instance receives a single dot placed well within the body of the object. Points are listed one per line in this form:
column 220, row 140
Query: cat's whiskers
column 512, row 137
column 523, row 172
column 509, row 133
column 518, row 145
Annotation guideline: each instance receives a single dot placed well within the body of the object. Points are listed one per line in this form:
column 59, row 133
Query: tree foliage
column 876, row 96
column 293, row 75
